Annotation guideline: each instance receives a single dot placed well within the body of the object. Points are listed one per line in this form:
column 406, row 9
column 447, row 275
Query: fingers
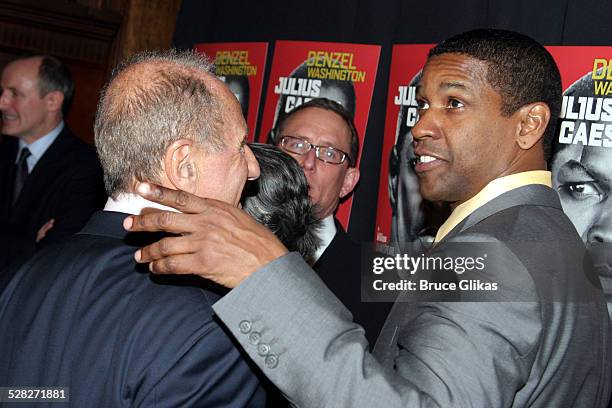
column 180, row 200
column 42, row 232
column 167, row 221
column 175, row 264
column 166, row 247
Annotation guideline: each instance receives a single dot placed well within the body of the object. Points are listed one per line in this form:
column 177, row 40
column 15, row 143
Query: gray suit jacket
column 550, row 349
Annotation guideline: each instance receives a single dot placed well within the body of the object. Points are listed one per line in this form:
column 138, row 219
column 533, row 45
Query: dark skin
column 459, row 114
column 214, row 234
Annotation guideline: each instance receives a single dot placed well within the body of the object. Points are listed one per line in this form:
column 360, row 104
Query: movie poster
column 400, row 212
column 242, row 67
column 581, row 162
column 302, row 70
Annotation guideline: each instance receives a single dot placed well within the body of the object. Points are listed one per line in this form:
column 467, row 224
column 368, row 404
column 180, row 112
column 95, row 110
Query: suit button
column 263, row 349
column 271, row 360
column 254, row 337
column 245, row 326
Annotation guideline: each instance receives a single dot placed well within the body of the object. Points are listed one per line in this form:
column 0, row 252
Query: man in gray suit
column 488, row 102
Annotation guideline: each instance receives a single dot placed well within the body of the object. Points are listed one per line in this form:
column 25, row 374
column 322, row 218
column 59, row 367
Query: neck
column 43, row 131
column 131, row 203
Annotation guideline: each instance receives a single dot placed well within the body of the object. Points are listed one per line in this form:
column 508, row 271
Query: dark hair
column 519, row 68
column 54, row 76
column 279, row 200
column 332, row 106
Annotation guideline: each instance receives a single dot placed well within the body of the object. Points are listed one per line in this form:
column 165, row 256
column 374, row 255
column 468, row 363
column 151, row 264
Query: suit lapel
column 386, row 348
column 8, row 155
column 533, row 194
column 43, row 173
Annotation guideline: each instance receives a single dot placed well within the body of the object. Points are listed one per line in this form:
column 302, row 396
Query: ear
column 181, row 166
column 534, row 119
column 350, row 181
column 54, row 101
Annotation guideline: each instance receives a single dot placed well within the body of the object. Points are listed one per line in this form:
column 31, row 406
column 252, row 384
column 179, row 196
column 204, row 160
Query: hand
column 218, row 241
column 42, row 232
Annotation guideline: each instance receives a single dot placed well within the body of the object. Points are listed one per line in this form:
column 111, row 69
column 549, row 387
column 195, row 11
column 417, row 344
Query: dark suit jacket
column 66, row 184
column 83, row 314
column 339, row 267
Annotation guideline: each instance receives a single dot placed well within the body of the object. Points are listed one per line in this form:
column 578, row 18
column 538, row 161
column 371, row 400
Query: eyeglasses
column 326, row 154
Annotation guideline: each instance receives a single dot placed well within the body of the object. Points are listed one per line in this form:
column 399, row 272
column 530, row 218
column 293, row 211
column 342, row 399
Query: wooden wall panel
column 90, row 36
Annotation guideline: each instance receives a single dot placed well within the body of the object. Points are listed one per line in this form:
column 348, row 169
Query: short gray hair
column 152, row 100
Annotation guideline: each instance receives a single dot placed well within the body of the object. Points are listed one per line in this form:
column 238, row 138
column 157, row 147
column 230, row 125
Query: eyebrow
column 453, row 85
column 574, row 165
column 446, row 86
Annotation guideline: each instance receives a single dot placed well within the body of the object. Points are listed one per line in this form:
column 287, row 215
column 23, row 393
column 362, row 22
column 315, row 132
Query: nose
column 601, row 229
column 427, row 126
column 309, row 160
column 4, row 98
column 252, row 164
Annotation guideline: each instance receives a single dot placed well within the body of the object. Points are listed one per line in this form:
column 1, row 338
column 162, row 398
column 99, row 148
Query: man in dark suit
column 321, row 136
column 528, row 328
column 81, row 313
column 50, row 181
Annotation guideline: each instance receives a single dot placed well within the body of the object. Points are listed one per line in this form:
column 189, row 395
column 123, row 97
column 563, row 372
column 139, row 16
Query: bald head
column 151, row 101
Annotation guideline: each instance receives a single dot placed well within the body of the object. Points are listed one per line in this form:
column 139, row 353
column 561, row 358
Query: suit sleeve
column 210, row 373
column 81, row 195
column 302, row 337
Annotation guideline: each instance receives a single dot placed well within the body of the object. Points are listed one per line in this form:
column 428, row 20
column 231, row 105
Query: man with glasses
column 321, row 136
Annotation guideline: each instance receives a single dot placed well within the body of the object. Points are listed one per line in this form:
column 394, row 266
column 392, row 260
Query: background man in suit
column 82, row 314
column 488, row 101
column 50, row 181
column 321, row 136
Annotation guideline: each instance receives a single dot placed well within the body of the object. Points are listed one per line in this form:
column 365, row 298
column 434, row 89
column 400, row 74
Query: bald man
column 82, row 314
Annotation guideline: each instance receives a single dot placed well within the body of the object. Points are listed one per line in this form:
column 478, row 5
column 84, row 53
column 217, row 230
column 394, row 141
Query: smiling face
column 25, row 113
column 462, row 140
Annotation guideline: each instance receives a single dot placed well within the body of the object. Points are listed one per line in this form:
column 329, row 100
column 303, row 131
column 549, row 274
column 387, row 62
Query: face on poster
column 241, row 66
column 582, row 151
column 302, row 70
column 402, row 215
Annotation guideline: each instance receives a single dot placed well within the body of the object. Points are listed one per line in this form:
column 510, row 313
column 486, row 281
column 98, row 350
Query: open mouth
column 426, row 162
column 6, row 117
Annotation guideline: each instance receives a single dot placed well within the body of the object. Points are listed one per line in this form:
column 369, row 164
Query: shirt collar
column 492, row 190
column 40, row 146
column 326, row 234
column 133, row 204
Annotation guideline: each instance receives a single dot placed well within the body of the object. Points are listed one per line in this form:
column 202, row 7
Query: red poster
column 302, row 70
column 241, row 66
column 402, row 186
